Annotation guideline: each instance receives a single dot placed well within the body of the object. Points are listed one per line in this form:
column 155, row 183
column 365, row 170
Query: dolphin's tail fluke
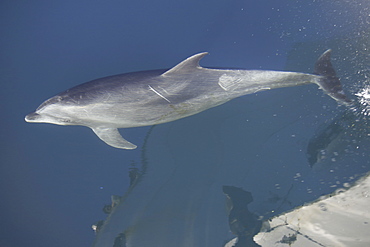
column 329, row 82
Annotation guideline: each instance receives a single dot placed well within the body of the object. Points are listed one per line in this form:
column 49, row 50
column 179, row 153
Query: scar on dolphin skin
column 131, row 99
column 160, row 95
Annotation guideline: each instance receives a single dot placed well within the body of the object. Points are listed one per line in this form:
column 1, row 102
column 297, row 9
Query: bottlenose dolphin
column 160, row 96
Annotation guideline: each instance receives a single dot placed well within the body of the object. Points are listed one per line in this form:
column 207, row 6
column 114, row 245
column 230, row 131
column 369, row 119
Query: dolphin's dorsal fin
column 112, row 137
column 186, row 66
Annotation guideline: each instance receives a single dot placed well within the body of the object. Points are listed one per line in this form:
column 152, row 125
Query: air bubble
column 346, row 185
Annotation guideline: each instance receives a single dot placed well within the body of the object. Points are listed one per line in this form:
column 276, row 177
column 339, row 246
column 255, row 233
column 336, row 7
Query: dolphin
column 159, row 96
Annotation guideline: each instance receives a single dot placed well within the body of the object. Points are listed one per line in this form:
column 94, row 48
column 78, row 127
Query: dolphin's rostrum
column 160, row 96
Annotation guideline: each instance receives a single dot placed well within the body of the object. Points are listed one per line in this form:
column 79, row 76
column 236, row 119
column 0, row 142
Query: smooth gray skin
column 159, row 96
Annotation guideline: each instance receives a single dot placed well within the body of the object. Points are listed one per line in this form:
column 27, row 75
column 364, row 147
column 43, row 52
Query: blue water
column 54, row 180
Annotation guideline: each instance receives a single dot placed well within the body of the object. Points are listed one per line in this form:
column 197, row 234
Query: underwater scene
column 185, row 124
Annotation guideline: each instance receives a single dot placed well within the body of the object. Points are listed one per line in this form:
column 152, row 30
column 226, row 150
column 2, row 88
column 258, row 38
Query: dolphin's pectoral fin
column 187, row 66
column 329, row 82
column 113, row 138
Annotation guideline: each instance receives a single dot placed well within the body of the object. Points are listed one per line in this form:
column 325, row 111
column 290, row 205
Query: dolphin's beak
column 32, row 117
